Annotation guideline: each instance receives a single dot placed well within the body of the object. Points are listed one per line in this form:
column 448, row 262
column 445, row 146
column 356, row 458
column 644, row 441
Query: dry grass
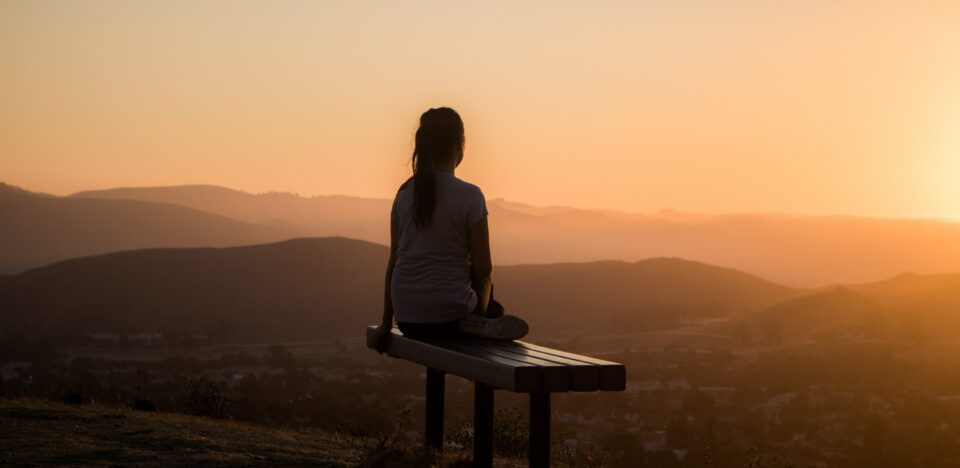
column 38, row 432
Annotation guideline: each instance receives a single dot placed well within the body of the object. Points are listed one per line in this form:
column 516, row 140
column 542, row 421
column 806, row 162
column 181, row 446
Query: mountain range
column 195, row 257
column 38, row 229
column 305, row 288
column 331, row 287
column 803, row 251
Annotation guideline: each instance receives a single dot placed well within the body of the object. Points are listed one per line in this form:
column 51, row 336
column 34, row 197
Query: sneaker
column 505, row 328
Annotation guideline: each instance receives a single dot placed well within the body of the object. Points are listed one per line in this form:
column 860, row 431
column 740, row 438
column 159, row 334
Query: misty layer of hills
column 38, row 229
column 806, row 251
column 795, row 250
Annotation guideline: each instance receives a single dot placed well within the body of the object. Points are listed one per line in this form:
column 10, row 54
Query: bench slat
column 509, row 376
column 568, row 355
column 613, row 376
column 556, row 377
column 583, row 377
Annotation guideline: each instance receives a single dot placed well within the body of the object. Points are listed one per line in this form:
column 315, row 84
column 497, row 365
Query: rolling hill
column 911, row 285
column 298, row 288
column 586, row 295
column 907, row 307
column 837, row 313
column 40, row 229
column 803, row 251
column 308, row 288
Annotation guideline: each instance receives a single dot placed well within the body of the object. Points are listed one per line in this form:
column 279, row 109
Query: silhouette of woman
column 438, row 276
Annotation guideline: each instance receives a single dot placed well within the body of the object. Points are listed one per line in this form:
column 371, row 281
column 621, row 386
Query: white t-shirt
column 432, row 275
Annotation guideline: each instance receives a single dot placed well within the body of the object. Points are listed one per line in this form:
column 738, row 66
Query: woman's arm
column 386, row 323
column 387, row 299
column 482, row 266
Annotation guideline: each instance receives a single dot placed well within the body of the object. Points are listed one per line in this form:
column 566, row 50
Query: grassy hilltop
column 36, row 432
column 43, row 433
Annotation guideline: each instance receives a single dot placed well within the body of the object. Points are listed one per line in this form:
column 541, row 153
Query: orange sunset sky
column 808, row 107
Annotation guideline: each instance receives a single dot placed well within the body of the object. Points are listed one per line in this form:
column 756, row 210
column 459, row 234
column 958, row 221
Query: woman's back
column 431, row 279
column 438, row 275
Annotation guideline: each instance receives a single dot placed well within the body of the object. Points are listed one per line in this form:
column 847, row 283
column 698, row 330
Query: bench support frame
column 482, row 425
column 539, row 455
column 433, row 425
column 516, row 366
column 539, row 451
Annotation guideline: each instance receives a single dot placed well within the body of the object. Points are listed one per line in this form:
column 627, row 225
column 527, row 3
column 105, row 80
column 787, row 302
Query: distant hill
column 40, row 229
column 308, row 288
column 298, row 288
column 586, row 295
column 806, row 251
column 925, row 306
column 908, row 307
column 357, row 218
column 910, row 285
column 839, row 312
column 14, row 190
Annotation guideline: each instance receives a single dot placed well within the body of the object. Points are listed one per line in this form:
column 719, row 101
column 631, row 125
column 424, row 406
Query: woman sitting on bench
column 438, row 276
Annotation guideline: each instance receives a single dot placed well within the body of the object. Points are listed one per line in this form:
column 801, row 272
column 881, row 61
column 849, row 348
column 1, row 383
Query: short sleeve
column 476, row 206
column 395, row 210
column 393, row 214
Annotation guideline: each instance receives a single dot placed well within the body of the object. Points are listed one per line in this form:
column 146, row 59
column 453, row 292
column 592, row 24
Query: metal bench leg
column 433, row 426
column 539, row 456
column 482, row 425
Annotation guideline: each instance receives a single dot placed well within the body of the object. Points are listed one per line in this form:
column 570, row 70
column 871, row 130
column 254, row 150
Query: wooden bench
column 516, row 366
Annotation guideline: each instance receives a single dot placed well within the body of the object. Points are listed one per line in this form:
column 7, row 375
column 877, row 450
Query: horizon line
column 661, row 211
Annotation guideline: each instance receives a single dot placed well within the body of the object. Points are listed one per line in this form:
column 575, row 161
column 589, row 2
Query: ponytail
column 439, row 137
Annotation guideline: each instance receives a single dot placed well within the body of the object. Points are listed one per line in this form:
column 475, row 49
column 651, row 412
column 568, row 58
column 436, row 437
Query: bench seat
column 515, row 365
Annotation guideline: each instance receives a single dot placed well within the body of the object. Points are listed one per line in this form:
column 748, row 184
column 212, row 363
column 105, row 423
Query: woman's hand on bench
column 380, row 337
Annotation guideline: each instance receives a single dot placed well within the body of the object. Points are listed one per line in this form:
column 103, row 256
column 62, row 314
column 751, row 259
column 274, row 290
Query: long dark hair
column 439, row 138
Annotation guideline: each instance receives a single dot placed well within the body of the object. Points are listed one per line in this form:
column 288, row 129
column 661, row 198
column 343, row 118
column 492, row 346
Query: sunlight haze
column 819, row 107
